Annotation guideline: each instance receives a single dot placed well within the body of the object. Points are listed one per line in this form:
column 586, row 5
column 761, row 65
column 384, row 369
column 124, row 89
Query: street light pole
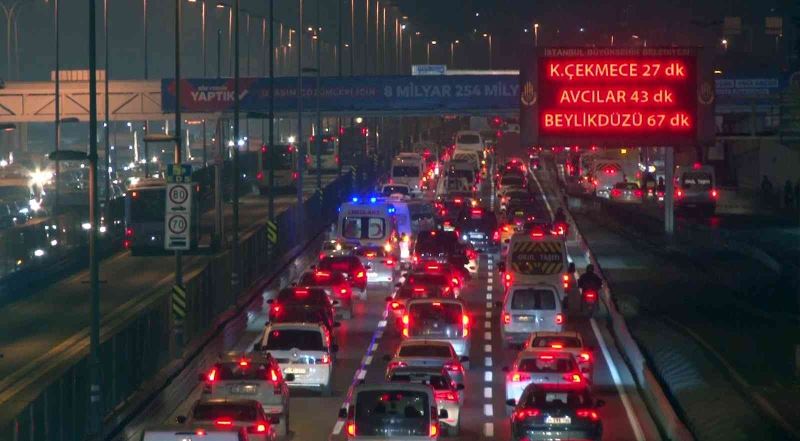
column 57, row 20
column 319, row 115
column 95, row 394
column 11, row 13
column 301, row 160
column 144, row 26
column 352, row 35
column 107, row 123
column 236, row 174
column 271, row 152
column 178, row 159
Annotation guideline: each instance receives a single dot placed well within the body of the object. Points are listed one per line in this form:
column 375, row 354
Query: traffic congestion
column 447, row 301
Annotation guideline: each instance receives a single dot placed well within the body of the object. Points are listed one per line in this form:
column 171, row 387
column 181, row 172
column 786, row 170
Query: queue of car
column 422, row 239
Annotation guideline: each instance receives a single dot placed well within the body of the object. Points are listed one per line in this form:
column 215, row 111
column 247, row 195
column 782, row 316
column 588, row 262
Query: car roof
column 297, row 325
column 234, row 357
column 425, row 343
column 217, row 401
column 536, row 354
column 437, row 300
column 393, row 386
column 571, row 334
column 418, row 370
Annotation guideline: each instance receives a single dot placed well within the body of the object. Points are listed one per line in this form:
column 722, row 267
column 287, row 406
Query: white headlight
column 35, row 205
column 86, row 226
column 38, row 253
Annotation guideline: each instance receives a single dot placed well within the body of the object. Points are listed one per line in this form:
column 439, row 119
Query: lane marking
column 487, row 324
column 487, row 348
column 488, row 305
column 487, row 361
column 374, row 347
column 488, row 410
column 337, row 428
column 489, row 296
column 488, row 377
column 637, row 428
column 488, row 313
column 382, row 324
column 487, row 336
column 368, row 360
column 487, row 393
column 488, row 430
column 361, row 374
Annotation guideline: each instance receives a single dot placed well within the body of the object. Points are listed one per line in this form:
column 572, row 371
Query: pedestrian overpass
column 142, row 100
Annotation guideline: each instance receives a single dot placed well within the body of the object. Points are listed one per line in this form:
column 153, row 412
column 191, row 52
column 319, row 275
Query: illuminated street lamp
column 452, row 53
column 725, row 43
column 536, row 34
column 489, row 37
column 428, row 46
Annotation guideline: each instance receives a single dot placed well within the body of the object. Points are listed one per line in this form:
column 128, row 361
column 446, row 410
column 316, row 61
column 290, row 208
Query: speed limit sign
column 178, row 219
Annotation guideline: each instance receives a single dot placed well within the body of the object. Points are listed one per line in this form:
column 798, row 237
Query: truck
column 604, row 173
column 537, row 256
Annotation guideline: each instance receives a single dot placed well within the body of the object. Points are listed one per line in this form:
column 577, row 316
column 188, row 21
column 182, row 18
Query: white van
column 530, row 308
column 470, row 156
column 469, row 140
column 695, row 188
column 368, row 221
column 537, row 256
column 407, row 170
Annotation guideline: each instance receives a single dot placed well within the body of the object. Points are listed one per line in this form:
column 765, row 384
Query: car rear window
column 303, row 339
column 438, row 382
column 343, row 264
column 392, row 413
column 425, row 351
column 306, row 296
column 530, row 298
column 389, row 190
column 547, row 399
column 403, row 171
column 546, row 342
column 435, row 318
column 363, row 227
column 626, row 186
column 233, row 411
column 543, row 364
column 299, row 313
column 323, row 278
column 239, row 371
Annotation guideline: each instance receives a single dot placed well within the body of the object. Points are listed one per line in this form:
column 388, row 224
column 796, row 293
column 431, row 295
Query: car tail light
column 396, row 305
column 446, row 395
column 389, row 262
column 557, row 346
column 212, row 376
column 458, row 200
column 432, row 267
column 517, row 377
column 406, row 322
column 587, row 413
column 223, row 422
column 295, row 175
column 258, row 428
column 522, row 414
column 322, row 274
column 396, row 364
column 454, row 366
column 496, row 235
column 200, row 432
column 638, row 193
column 573, row 378
column 506, row 228
column 506, row 318
column 615, row 193
column 419, row 290
column 275, row 309
column 433, row 432
column 537, row 233
column 321, row 255
column 326, row 359
column 343, row 292
column 679, row 193
column 360, row 275
column 590, row 296
column 565, row 279
column 508, row 278
column 559, row 319
column 714, row 194
column 455, row 281
column 260, row 176
column 465, row 324
column 351, row 428
column 584, row 357
column 129, row 232
column 126, row 244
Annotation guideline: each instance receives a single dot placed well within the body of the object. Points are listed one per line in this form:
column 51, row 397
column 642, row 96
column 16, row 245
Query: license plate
column 295, row 370
column 476, row 235
column 558, row 420
column 524, row 318
column 246, row 389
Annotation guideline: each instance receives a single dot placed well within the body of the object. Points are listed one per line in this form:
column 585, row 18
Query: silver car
column 232, row 414
column 530, row 308
column 542, row 368
column 428, row 353
column 626, row 193
column 382, row 266
column 445, row 389
column 440, row 320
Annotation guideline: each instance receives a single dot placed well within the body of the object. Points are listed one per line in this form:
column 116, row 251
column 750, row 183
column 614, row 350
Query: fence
column 135, row 347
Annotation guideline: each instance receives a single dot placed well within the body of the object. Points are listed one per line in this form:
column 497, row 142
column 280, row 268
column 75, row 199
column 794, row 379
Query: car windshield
column 391, row 413
column 440, row 319
column 437, row 351
column 233, row 411
column 553, row 399
column 468, row 139
column 147, row 205
column 542, row 364
column 389, row 190
column 363, row 227
column 286, row 339
column 242, row 370
column 699, row 180
column 550, row 341
column 531, row 298
column 438, row 382
column 405, row 171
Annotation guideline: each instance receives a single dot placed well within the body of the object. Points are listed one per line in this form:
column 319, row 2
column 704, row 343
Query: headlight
column 38, row 253
column 86, row 226
column 35, row 205
column 24, row 210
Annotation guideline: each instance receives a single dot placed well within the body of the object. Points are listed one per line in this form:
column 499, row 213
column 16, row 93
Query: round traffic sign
column 178, row 194
column 177, row 224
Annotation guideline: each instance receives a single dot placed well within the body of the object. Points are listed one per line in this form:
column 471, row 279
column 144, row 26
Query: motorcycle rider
column 589, row 281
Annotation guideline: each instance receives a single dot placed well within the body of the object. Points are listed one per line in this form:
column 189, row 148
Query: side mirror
column 460, row 386
column 257, row 346
column 599, row 403
column 571, row 268
column 501, row 267
column 180, row 419
column 443, row 415
column 337, row 324
column 334, row 348
column 511, row 402
column 343, row 413
column 289, row 377
column 464, row 359
column 506, row 369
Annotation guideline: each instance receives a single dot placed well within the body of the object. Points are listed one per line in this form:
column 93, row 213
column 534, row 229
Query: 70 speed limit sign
column 178, row 219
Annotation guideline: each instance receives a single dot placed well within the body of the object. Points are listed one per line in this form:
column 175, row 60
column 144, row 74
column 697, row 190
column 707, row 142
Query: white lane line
column 337, row 428
column 637, row 428
column 368, row 360
column 374, row 347
column 488, row 296
column 488, row 430
column 488, row 377
column 382, row 324
column 488, row 305
column 487, row 324
column 361, row 374
column 487, row 361
column 488, row 313
column 487, row 336
column 488, row 410
column 487, row 348
column 487, row 393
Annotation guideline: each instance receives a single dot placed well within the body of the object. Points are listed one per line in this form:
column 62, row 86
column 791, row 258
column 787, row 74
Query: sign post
column 178, row 219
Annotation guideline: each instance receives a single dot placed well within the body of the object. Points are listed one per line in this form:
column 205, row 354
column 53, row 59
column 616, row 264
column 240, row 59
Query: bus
column 145, row 209
column 284, row 157
column 330, row 153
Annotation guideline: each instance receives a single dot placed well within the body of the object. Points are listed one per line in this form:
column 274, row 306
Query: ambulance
column 376, row 222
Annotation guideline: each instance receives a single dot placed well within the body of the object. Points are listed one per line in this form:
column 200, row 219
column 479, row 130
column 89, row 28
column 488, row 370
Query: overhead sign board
column 429, row 69
column 178, row 213
column 623, row 96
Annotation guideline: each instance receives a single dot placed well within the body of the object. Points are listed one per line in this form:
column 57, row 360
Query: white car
column 440, row 320
column 428, row 353
column 566, row 341
column 530, row 308
column 469, row 140
column 173, row 433
column 233, row 415
column 304, row 350
column 542, row 368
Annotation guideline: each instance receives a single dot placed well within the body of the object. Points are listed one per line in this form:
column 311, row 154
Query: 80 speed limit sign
column 178, row 219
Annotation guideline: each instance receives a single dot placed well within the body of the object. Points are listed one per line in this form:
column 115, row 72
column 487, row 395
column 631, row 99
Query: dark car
column 441, row 246
column 299, row 296
column 478, row 227
column 547, row 412
column 335, row 285
column 350, row 265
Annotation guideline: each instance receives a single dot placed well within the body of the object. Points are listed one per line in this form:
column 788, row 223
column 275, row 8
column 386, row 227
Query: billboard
column 616, row 96
column 424, row 94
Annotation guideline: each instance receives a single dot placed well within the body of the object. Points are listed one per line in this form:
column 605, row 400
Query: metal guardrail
column 135, row 347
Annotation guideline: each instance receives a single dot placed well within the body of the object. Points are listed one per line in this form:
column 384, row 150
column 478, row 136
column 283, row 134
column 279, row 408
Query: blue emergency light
column 355, row 199
column 373, row 199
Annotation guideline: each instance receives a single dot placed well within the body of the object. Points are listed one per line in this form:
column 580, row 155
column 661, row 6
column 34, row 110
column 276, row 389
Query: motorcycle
column 589, row 300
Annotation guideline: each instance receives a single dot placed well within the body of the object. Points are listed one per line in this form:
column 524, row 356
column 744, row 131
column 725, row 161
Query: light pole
column 11, row 13
column 352, row 34
column 57, row 102
column 144, row 37
column 428, row 46
column 489, row 37
column 107, row 123
column 237, row 145
column 205, row 68
column 301, row 157
column 452, row 53
column 230, row 31
column 271, row 203
column 536, row 34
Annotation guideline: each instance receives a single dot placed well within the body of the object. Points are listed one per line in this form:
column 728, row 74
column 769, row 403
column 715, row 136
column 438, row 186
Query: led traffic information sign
column 645, row 96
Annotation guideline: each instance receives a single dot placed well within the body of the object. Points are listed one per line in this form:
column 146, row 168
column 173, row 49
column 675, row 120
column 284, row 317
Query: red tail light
column 573, row 378
column 295, row 175
column 678, row 193
column 360, row 275
column 559, row 319
column 714, row 194
column 396, row 364
column 517, row 377
column 465, row 324
column 584, row 357
column 433, row 432
column 326, row 359
column 258, row 428
column 396, row 305
column 587, row 413
column 223, row 422
column 321, row 255
column 590, row 296
column 615, row 193
column 126, row 244
column 351, row 428
column 455, row 281
column 129, row 232
column 212, row 376
column 565, row 279
column 522, row 414
column 260, row 176
column 405, row 325
column 389, row 262
column 275, row 309
column 508, row 278
column 496, row 235
column 454, row 366
column 446, row 395
column 637, row 193
column 506, row 318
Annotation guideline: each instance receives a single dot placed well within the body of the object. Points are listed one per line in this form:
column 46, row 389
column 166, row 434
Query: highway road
column 366, row 338
column 48, row 322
